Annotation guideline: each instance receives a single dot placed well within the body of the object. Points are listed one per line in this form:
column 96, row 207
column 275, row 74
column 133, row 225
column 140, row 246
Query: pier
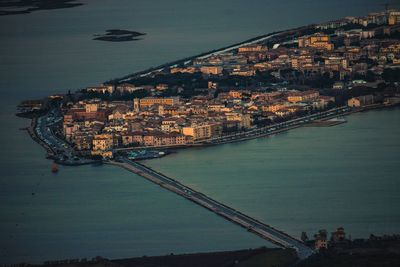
column 263, row 230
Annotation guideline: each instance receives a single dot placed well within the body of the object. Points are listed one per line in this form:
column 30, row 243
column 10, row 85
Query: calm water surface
column 306, row 179
column 287, row 180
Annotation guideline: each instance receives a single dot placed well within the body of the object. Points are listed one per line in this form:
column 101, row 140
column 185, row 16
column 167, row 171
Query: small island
column 117, row 35
column 17, row 7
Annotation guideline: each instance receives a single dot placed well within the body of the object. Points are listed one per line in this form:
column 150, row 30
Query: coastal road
column 277, row 127
column 63, row 152
column 255, row 132
column 252, row 225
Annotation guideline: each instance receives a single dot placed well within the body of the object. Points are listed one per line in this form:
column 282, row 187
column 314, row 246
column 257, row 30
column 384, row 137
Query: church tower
column 136, row 105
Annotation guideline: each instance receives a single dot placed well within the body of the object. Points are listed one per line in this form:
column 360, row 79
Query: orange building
column 318, row 41
column 151, row 101
column 394, row 18
column 252, row 48
column 303, row 96
column 214, row 70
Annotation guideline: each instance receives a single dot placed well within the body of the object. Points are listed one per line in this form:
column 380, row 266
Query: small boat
column 54, row 168
column 338, row 119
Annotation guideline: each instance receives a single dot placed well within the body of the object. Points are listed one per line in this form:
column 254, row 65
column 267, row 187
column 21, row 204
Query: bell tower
column 136, row 105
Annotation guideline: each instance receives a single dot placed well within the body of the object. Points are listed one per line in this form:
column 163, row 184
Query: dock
column 327, row 123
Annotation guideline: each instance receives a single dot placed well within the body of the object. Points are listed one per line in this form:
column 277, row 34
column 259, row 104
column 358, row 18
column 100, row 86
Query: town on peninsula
column 308, row 76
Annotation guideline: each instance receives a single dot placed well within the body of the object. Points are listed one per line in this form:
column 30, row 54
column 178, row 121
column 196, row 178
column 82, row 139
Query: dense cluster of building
column 97, row 126
column 317, row 53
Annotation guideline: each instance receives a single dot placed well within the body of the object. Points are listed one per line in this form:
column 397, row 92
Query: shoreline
column 186, row 60
column 274, row 37
column 143, row 73
column 51, row 151
column 51, row 154
column 27, row 7
column 234, row 138
column 348, row 253
column 208, row 258
column 261, row 135
column 263, row 230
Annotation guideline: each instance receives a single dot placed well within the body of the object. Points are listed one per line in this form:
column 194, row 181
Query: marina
column 145, row 154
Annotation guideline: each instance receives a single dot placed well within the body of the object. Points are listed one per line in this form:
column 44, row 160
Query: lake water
column 306, row 179
column 287, row 181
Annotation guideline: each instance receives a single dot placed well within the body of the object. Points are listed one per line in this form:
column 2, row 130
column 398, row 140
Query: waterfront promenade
column 278, row 127
column 252, row 225
column 42, row 130
column 257, row 132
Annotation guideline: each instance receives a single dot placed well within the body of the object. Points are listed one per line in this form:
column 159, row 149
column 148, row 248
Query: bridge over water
column 252, row 225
